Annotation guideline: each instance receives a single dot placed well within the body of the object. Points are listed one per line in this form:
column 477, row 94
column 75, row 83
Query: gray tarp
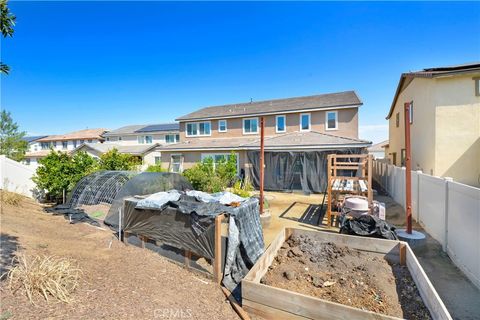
column 190, row 224
column 304, row 170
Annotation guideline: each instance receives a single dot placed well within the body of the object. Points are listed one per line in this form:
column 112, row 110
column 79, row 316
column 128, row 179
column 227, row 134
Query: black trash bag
column 367, row 226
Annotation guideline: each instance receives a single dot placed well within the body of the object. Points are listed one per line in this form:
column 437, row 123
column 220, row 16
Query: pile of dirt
column 359, row 279
column 117, row 282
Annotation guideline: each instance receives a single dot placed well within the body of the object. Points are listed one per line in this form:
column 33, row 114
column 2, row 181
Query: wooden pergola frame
column 364, row 165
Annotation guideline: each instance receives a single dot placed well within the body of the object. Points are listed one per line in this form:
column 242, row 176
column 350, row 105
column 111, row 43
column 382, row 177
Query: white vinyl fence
column 449, row 211
column 16, row 177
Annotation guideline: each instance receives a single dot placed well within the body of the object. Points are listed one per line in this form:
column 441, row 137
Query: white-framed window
column 27, row 161
column 197, row 129
column 280, row 124
column 45, row 145
column 222, row 125
column 305, row 123
column 158, row 159
column 176, row 163
column 145, row 139
column 119, row 138
column 172, row 138
column 108, row 138
column 331, row 120
column 250, row 126
column 217, row 157
column 64, row 145
column 411, row 112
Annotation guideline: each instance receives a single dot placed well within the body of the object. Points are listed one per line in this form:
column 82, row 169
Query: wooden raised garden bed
column 263, row 295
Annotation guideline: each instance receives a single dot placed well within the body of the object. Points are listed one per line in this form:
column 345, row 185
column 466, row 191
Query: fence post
column 447, row 180
column 419, row 172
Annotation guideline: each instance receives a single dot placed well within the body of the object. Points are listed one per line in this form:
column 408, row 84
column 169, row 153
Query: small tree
column 7, row 22
column 59, row 171
column 11, row 143
column 114, row 160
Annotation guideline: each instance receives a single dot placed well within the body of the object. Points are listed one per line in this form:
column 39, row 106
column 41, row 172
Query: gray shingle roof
column 288, row 141
column 347, row 98
column 133, row 149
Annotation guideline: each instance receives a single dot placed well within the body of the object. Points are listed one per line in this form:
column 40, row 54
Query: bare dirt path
column 118, row 282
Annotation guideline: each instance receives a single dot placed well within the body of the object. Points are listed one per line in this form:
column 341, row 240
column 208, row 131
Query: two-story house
column 299, row 132
column 40, row 147
column 138, row 140
column 444, row 122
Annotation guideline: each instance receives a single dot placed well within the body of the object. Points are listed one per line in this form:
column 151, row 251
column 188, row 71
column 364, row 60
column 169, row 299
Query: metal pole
column 262, row 161
column 408, row 169
column 119, row 224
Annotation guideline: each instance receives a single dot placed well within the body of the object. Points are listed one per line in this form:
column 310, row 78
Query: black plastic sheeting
column 367, row 226
column 190, row 224
column 144, row 184
column 286, row 171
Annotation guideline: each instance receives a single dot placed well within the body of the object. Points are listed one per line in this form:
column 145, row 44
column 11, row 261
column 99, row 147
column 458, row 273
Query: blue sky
column 106, row 64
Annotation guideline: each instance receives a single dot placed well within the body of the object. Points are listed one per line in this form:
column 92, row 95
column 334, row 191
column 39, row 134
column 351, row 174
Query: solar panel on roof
column 160, row 127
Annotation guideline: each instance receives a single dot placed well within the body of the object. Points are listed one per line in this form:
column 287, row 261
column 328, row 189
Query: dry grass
column 10, row 198
column 44, row 275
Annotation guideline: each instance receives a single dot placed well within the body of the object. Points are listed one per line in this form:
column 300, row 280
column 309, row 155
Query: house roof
column 329, row 100
column 378, row 146
column 288, row 141
column 407, row 77
column 160, row 127
column 76, row 135
column 105, row 147
column 30, row 139
column 143, row 128
column 43, row 153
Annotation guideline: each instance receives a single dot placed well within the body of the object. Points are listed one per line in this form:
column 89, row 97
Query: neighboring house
column 378, row 149
column 297, row 130
column 39, row 148
column 33, row 144
column 445, row 122
column 145, row 152
column 164, row 133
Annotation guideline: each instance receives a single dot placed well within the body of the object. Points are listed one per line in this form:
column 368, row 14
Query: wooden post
column 329, row 190
column 217, row 262
column 188, row 258
column 403, row 254
column 408, row 170
column 262, row 161
column 125, row 238
column 369, row 177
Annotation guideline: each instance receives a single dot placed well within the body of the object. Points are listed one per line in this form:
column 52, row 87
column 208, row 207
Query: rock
column 317, row 281
column 342, row 280
column 289, row 274
column 313, row 259
column 297, row 252
column 328, row 283
column 290, row 254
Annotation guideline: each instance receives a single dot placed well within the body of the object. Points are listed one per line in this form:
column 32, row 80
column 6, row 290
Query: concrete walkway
column 460, row 296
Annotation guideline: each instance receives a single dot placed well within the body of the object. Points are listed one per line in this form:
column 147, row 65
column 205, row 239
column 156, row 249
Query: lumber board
column 217, row 262
column 402, row 251
column 428, row 293
column 236, row 306
column 267, row 312
column 261, row 267
column 303, row 305
column 355, row 242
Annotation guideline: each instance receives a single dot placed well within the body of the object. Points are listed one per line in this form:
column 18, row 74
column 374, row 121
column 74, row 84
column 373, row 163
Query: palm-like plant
column 7, row 22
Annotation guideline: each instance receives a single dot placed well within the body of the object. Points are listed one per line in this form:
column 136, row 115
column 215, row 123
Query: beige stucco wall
column 192, row 157
column 445, row 129
column 347, row 125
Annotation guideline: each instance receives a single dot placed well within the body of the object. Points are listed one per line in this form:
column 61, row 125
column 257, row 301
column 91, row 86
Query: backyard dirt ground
column 351, row 277
column 117, row 282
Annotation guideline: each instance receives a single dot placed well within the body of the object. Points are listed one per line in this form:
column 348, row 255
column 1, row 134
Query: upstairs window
column 280, row 125
column 397, row 119
column 476, row 80
column 45, row 145
column 64, row 144
column 144, row 139
column 196, row 129
column 305, row 123
column 411, row 112
column 222, row 125
column 250, row 126
column 172, row 138
column 331, row 120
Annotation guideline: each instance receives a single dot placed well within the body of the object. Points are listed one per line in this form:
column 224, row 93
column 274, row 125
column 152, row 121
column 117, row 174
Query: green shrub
column 244, row 191
column 114, row 160
column 155, row 168
column 212, row 177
